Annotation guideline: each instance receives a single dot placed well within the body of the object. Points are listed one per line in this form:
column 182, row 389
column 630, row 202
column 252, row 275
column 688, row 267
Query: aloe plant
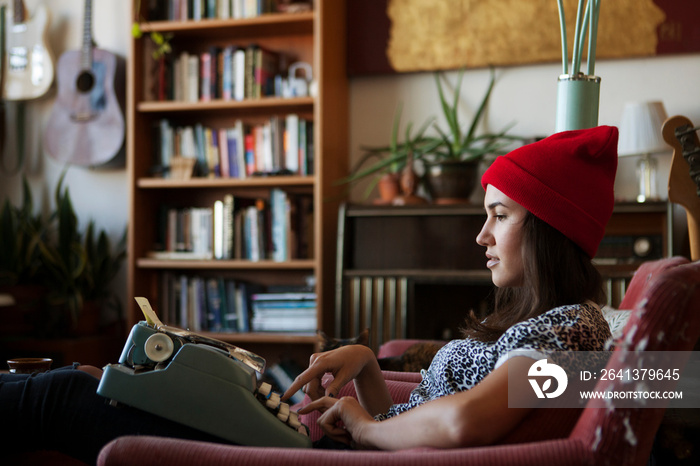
column 459, row 142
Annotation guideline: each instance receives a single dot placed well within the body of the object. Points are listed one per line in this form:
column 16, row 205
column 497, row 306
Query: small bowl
column 29, row 365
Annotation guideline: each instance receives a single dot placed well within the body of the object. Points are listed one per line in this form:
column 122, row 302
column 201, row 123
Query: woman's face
column 502, row 235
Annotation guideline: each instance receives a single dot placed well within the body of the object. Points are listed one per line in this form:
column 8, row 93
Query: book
column 227, row 72
column 224, row 162
column 205, row 76
column 238, row 74
column 228, row 227
column 232, row 143
column 219, row 228
column 291, row 143
column 215, row 304
column 280, row 226
column 192, row 78
column 266, row 67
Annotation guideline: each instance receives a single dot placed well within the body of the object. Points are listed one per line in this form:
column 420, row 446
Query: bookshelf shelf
column 277, row 24
column 298, row 104
column 299, row 264
column 215, row 183
column 317, row 38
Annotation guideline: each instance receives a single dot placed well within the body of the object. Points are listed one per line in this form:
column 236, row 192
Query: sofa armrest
column 147, row 451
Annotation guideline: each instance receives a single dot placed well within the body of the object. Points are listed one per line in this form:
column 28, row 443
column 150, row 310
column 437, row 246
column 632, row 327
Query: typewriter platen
column 200, row 382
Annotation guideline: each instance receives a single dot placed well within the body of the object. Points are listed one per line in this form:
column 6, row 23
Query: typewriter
column 201, row 382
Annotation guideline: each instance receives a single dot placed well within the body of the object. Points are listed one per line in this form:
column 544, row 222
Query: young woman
column 547, row 205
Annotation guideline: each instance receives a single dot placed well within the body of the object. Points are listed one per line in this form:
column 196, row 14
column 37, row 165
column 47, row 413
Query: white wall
column 525, row 95
column 97, row 194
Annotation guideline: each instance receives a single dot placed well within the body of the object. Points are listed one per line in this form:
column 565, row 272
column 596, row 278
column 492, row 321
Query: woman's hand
column 345, row 363
column 343, row 420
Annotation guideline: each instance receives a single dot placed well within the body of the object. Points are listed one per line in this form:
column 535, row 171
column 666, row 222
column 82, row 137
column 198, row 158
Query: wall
column 523, row 95
column 526, row 96
column 98, row 194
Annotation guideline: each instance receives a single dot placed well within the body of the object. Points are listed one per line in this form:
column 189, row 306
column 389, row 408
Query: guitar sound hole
column 85, row 81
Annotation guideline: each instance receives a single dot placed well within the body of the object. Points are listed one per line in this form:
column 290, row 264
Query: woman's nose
column 484, row 236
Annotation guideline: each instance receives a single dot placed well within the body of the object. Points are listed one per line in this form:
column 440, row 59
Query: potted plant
column 79, row 267
column 452, row 164
column 392, row 159
column 450, row 158
column 21, row 233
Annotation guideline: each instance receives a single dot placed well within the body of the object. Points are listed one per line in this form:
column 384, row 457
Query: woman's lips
column 492, row 261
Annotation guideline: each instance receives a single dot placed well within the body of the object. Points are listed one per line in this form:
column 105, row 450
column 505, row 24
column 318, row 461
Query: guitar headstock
column 684, row 177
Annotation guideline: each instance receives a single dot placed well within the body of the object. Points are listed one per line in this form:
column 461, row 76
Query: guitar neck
column 19, row 13
column 684, row 178
column 86, row 53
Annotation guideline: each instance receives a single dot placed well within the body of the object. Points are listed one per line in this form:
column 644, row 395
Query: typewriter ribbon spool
column 158, row 347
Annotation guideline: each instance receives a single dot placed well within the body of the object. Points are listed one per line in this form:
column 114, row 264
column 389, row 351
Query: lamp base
column 646, row 172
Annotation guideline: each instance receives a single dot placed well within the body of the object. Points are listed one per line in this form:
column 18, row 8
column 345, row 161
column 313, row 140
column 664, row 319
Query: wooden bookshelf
column 316, row 37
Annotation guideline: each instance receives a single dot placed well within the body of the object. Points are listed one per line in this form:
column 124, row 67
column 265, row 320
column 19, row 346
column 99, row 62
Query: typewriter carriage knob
column 159, row 347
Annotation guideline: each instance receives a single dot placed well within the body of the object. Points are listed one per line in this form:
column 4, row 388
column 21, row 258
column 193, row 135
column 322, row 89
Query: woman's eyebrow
column 495, row 204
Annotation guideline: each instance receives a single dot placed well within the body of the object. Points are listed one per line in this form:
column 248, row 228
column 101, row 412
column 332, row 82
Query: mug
column 29, row 365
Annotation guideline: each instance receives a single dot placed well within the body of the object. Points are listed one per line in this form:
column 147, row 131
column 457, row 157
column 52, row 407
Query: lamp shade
column 640, row 129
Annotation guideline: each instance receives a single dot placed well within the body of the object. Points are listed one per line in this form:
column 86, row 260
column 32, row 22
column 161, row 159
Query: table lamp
column 640, row 135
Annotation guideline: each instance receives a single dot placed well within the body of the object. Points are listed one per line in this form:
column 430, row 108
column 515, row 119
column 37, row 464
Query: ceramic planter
column 451, row 182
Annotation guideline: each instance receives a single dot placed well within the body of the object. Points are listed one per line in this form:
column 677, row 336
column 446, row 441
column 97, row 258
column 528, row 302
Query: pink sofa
column 666, row 302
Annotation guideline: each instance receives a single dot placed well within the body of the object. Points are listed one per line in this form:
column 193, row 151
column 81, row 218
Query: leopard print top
column 461, row 364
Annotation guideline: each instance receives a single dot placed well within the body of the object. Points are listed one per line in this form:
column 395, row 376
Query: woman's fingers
column 321, row 405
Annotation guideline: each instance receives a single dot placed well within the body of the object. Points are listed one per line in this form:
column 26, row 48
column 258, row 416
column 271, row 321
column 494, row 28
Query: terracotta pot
column 389, row 187
column 451, row 182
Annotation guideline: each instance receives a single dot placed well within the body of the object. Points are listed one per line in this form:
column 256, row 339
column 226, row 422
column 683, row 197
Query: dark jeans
column 61, row 410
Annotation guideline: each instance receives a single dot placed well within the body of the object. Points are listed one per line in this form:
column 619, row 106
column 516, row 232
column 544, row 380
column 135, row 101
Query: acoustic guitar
column 28, row 61
column 684, row 177
column 86, row 124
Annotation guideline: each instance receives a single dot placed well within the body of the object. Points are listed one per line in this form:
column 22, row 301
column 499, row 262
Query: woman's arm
column 348, row 363
column 479, row 416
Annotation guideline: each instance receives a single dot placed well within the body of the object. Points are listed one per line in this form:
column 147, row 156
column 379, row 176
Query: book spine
column 205, row 61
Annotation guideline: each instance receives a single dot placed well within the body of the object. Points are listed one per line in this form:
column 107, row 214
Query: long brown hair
column 556, row 272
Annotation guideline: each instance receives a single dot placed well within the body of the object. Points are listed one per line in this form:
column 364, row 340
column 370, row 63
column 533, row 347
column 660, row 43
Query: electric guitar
column 86, row 124
column 684, row 177
column 28, row 62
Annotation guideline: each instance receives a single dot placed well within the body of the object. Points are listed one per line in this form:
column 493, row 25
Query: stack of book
column 211, row 304
column 281, row 145
column 183, row 10
column 222, row 72
column 284, row 312
column 279, row 228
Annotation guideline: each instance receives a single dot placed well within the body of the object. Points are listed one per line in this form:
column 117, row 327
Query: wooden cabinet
column 414, row 272
column 316, row 37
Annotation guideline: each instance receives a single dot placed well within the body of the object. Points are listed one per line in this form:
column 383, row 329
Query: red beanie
column 566, row 180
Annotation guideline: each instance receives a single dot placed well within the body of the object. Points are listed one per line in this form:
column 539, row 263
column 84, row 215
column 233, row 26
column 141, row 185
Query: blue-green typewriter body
column 201, row 386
